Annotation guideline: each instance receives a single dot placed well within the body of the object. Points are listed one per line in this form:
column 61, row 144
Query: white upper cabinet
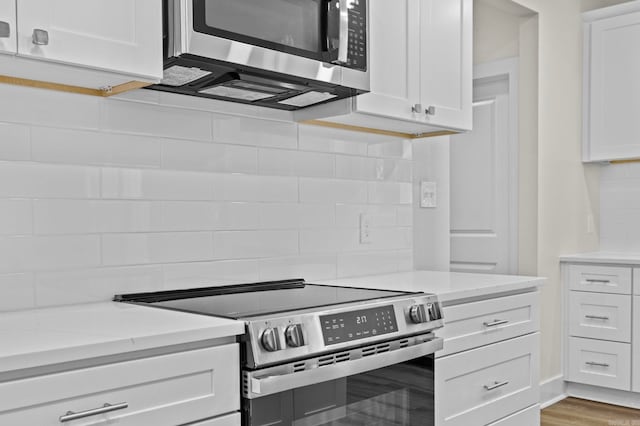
column 8, row 26
column 420, row 60
column 446, row 44
column 611, row 128
column 124, row 36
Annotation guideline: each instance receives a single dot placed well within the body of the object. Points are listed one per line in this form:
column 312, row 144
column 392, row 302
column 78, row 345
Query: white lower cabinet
column 488, row 370
column 228, row 420
column 173, row 389
column 635, row 385
column 485, row 384
column 528, row 416
column 600, row 363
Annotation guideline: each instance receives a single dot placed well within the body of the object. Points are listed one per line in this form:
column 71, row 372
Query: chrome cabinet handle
column 40, row 37
column 496, row 385
column 598, row 317
column 597, row 364
column 343, row 46
column 5, row 29
column 106, row 408
column 431, row 110
column 594, row 281
column 416, row 108
column 495, row 323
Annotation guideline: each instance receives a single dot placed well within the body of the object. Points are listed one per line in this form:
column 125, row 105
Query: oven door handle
column 269, row 385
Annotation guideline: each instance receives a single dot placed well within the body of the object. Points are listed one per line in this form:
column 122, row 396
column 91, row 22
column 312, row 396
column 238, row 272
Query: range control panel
column 357, row 56
column 359, row 324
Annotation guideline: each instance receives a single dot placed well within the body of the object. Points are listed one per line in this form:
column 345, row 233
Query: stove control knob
column 269, row 340
column 293, row 336
column 434, row 311
column 417, row 314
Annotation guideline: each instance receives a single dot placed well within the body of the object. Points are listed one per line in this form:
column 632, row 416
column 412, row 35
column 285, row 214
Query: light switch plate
column 428, row 194
column 365, row 229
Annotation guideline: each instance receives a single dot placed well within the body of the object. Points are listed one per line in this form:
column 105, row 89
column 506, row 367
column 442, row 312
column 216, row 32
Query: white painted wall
column 101, row 196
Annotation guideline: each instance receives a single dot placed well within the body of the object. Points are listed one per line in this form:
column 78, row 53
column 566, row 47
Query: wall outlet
column 428, row 194
column 365, row 229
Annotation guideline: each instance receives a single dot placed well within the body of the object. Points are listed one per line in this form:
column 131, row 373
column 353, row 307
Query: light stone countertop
column 604, row 257
column 449, row 286
column 41, row 337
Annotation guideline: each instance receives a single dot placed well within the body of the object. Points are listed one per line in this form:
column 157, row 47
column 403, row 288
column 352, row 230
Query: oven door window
column 399, row 395
column 308, row 28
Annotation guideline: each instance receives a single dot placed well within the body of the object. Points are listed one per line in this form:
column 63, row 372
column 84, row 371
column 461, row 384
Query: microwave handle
column 269, row 385
column 343, row 45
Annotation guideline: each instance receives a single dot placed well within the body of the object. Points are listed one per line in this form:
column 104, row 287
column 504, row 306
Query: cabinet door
column 8, row 26
column 614, row 89
column 117, row 35
column 446, row 62
column 394, row 60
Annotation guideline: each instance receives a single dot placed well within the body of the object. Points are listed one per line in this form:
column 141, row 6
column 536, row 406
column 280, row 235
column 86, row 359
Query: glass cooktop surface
column 249, row 300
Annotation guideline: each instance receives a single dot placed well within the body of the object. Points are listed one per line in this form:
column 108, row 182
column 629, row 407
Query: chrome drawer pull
column 496, row 385
column 106, row 408
column 594, row 281
column 597, row 364
column 598, row 317
column 495, row 323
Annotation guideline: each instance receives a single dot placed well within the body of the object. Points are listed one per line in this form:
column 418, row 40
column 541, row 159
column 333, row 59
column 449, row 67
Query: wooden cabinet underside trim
column 109, row 91
column 378, row 131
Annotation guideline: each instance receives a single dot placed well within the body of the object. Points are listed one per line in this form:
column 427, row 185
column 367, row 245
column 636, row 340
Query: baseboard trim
column 552, row 390
column 606, row 395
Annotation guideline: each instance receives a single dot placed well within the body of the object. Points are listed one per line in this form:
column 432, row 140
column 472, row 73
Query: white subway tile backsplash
column 249, row 131
column 94, row 285
column 296, row 163
column 354, row 264
column 390, row 192
column 149, row 119
column 332, row 190
column 90, row 147
column 16, row 217
column 49, row 108
column 324, row 139
column 36, row 253
column 185, row 155
column 17, row 292
column 329, row 240
column 91, row 216
column 205, row 274
column 310, row 268
column 133, row 249
column 233, row 187
column 348, row 215
column 157, row 184
column 255, row 244
column 106, row 196
column 26, row 180
column 14, row 142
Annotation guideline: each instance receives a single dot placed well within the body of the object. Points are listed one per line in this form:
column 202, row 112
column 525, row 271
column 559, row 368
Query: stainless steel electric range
column 317, row 355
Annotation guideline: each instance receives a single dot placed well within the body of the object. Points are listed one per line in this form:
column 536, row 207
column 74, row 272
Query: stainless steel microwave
column 285, row 54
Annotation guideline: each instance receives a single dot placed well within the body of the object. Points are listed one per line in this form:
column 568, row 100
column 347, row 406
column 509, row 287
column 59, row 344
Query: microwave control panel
column 357, row 56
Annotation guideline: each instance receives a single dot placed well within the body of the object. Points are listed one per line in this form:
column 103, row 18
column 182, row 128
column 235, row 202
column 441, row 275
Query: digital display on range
column 354, row 325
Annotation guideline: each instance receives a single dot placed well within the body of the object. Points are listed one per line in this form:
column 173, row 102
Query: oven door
column 392, row 388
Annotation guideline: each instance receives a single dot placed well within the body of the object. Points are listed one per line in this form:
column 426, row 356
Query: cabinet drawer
column 164, row 390
column 526, row 417
column 483, row 385
column 600, row 279
column 228, row 420
column 600, row 316
column 600, row 363
column 475, row 324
